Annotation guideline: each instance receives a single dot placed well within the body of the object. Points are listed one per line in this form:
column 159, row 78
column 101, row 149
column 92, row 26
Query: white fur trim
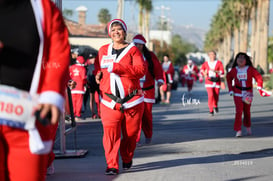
column 51, row 97
column 139, row 41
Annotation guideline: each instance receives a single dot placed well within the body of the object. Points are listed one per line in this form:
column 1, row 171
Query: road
column 187, row 144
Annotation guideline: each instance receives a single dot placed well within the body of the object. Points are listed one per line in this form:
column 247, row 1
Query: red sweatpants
column 241, row 107
column 17, row 163
column 114, row 122
column 77, row 104
column 147, row 121
column 190, row 84
column 213, row 97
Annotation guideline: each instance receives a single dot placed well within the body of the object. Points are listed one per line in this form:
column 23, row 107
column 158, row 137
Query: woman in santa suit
column 242, row 73
column 147, row 84
column 213, row 71
column 34, row 63
column 118, row 68
column 168, row 72
column 191, row 72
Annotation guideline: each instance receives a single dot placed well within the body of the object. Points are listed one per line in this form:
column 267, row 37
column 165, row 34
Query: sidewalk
column 187, row 145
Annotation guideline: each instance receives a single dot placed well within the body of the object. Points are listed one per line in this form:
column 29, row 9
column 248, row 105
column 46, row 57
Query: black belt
column 243, row 88
column 148, row 88
column 122, row 101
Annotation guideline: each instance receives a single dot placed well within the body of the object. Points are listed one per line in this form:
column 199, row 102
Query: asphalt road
column 187, row 144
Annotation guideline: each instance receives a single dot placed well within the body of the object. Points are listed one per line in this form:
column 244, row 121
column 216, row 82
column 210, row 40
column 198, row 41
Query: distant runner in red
column 168, row 73
column 147, row 83
column 213, row 71
column 191, row 73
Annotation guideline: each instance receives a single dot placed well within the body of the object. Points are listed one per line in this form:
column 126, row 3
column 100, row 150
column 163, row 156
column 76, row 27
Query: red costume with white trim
column 78, row 74
column 49, row 81
column 242, row 85
column 122, row 81
column 149, row 96
column 191, row 71
column 213, row 71
column 168, row 72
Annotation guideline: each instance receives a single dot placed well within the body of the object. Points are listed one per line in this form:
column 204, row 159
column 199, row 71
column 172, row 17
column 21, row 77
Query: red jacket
column 212, row 70
column 168, row 72
column 243, row 79
column 78, row 74
column 51, row 73
column 128, row 68
column 190, row 72
column 149, row 79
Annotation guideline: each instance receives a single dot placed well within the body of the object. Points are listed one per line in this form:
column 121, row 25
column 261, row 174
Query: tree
column 104, row 16
column 67, row 13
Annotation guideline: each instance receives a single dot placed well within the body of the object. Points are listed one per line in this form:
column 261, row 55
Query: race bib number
column 212, row 73
column 242, row 76
column 16, row 108
column 107, row 60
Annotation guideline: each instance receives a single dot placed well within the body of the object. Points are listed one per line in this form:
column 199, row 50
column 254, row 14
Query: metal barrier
column 63, row 152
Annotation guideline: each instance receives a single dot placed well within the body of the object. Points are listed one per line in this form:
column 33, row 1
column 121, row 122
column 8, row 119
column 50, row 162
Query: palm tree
column 148, row 8
column 141, row 4
column 104, row 16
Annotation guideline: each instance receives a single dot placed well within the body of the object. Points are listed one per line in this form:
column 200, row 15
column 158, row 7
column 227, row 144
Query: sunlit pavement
column 187, row 144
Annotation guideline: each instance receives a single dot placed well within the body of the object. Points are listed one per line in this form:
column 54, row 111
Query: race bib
column 212, row 73
column 107, row 60
column 242, row 76
column 16, row 108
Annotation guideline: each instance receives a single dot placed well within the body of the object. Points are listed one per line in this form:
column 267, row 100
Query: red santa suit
column 147, row 84
column 213, row 71
column 78, row 74
column 168, row 74
column 19, row 161
column 122, row 101
column 243, row 89
column 191, row 72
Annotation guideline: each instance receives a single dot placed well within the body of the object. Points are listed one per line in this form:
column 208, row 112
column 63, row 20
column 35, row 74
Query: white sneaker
column 248, row 131
column 50, row 169
column 239, row 133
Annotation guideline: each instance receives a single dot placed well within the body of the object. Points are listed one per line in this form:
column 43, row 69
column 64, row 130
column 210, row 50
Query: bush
column 269, row 82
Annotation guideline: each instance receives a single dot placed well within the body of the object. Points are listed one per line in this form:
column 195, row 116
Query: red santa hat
column 139, row 39
column 80, row 59
column 116, row 21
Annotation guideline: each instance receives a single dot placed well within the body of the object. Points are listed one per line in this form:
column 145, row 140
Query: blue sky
column 197, row 13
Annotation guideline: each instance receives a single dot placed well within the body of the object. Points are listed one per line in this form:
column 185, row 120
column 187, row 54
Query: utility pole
column 120, row 9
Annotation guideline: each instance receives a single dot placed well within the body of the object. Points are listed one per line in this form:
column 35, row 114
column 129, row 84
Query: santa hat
column 139, row 39
column 80, row 59
column 116, row 21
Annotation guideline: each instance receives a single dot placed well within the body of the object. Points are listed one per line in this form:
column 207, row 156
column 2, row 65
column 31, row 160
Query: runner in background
column 191, row 73
column 213, row 71
column 147, row 83
column 168, row 73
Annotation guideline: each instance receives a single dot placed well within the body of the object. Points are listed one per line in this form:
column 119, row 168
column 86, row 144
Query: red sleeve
column 158, row 71
column 258, row 77
column 56, row 55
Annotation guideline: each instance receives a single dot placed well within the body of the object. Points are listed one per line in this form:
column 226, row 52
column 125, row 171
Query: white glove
column 231, row 93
